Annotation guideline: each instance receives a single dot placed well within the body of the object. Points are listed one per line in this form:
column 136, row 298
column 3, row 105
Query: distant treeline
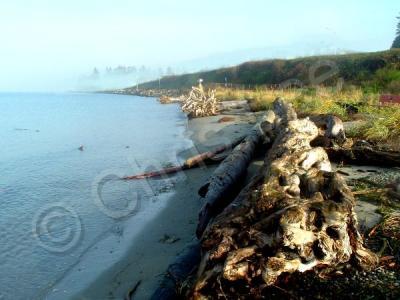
column 376, row 70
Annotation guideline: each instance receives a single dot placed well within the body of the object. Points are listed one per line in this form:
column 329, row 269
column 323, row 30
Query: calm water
column 56, row 202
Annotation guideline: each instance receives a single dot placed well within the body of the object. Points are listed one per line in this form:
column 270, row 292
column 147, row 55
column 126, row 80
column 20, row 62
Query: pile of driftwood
column 200, row 103
column 296, row 215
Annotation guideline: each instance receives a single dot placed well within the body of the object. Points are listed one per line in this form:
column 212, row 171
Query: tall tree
column 396, row 42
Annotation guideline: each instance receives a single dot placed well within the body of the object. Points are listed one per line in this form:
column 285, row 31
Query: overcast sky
column 47, row 43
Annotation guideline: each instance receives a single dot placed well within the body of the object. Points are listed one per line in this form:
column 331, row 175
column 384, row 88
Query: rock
column 366, row 215
column 226, row 119
column 167, row 239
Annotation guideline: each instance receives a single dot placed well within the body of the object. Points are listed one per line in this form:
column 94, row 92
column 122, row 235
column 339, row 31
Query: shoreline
column 154, row 93
column 165, row 236
column 110, row 245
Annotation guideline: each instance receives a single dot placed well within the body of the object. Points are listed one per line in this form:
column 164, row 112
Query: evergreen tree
column 396, row 42
column 95, row 73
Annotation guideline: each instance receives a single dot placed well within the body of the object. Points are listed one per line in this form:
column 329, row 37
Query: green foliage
column 396, row 42
column 385, row 76
column 382, row 123
column 355, row 69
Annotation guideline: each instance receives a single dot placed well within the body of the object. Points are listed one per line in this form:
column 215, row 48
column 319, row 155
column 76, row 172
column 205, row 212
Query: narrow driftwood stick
column 297, row 215
column 156, row 173
column 208, row 157
column 370, row 191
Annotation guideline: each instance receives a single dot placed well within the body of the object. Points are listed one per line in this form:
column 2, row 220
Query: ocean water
column 58, row 203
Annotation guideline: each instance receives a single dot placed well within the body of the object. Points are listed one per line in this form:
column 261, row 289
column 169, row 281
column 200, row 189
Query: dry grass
column 382, row 124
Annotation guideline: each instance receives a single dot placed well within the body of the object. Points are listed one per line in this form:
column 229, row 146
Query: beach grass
column 379, row 124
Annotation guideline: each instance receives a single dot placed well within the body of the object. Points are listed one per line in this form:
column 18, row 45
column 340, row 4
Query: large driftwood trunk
column 226, row 181
column 297, row 215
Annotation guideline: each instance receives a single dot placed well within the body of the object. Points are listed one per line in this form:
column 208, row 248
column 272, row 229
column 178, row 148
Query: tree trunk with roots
column 295, row 215
column 199, row 103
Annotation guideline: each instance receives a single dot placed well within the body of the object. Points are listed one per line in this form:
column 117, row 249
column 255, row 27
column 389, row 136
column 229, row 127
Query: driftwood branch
column 209, row 157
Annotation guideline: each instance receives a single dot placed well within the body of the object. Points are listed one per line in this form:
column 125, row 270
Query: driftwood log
column 174, row 280
column 226, row 181
column 342, row 150
column 217, row 191
column 233, row 104
column 297, row 215
column 363, row 153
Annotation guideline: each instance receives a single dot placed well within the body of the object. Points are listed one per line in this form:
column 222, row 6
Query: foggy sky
column 48, row 44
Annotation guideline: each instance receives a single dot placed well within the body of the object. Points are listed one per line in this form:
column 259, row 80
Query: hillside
column 376, row 69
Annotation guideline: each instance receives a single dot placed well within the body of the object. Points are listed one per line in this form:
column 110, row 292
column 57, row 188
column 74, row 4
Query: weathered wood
column 364, row 154
column 177, row 273
column 159, row 173
column 207, row 158
column 164, row 99
column 335, row 128
column 199, row 103
column 297, row 215
column 131, row 293
column 331, row 128
column 225, row 182
column 223, row 185
column 173, row 282
column 340, row 149
column 233, row 104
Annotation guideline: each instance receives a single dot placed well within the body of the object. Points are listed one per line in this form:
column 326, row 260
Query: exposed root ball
column 199, row 103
